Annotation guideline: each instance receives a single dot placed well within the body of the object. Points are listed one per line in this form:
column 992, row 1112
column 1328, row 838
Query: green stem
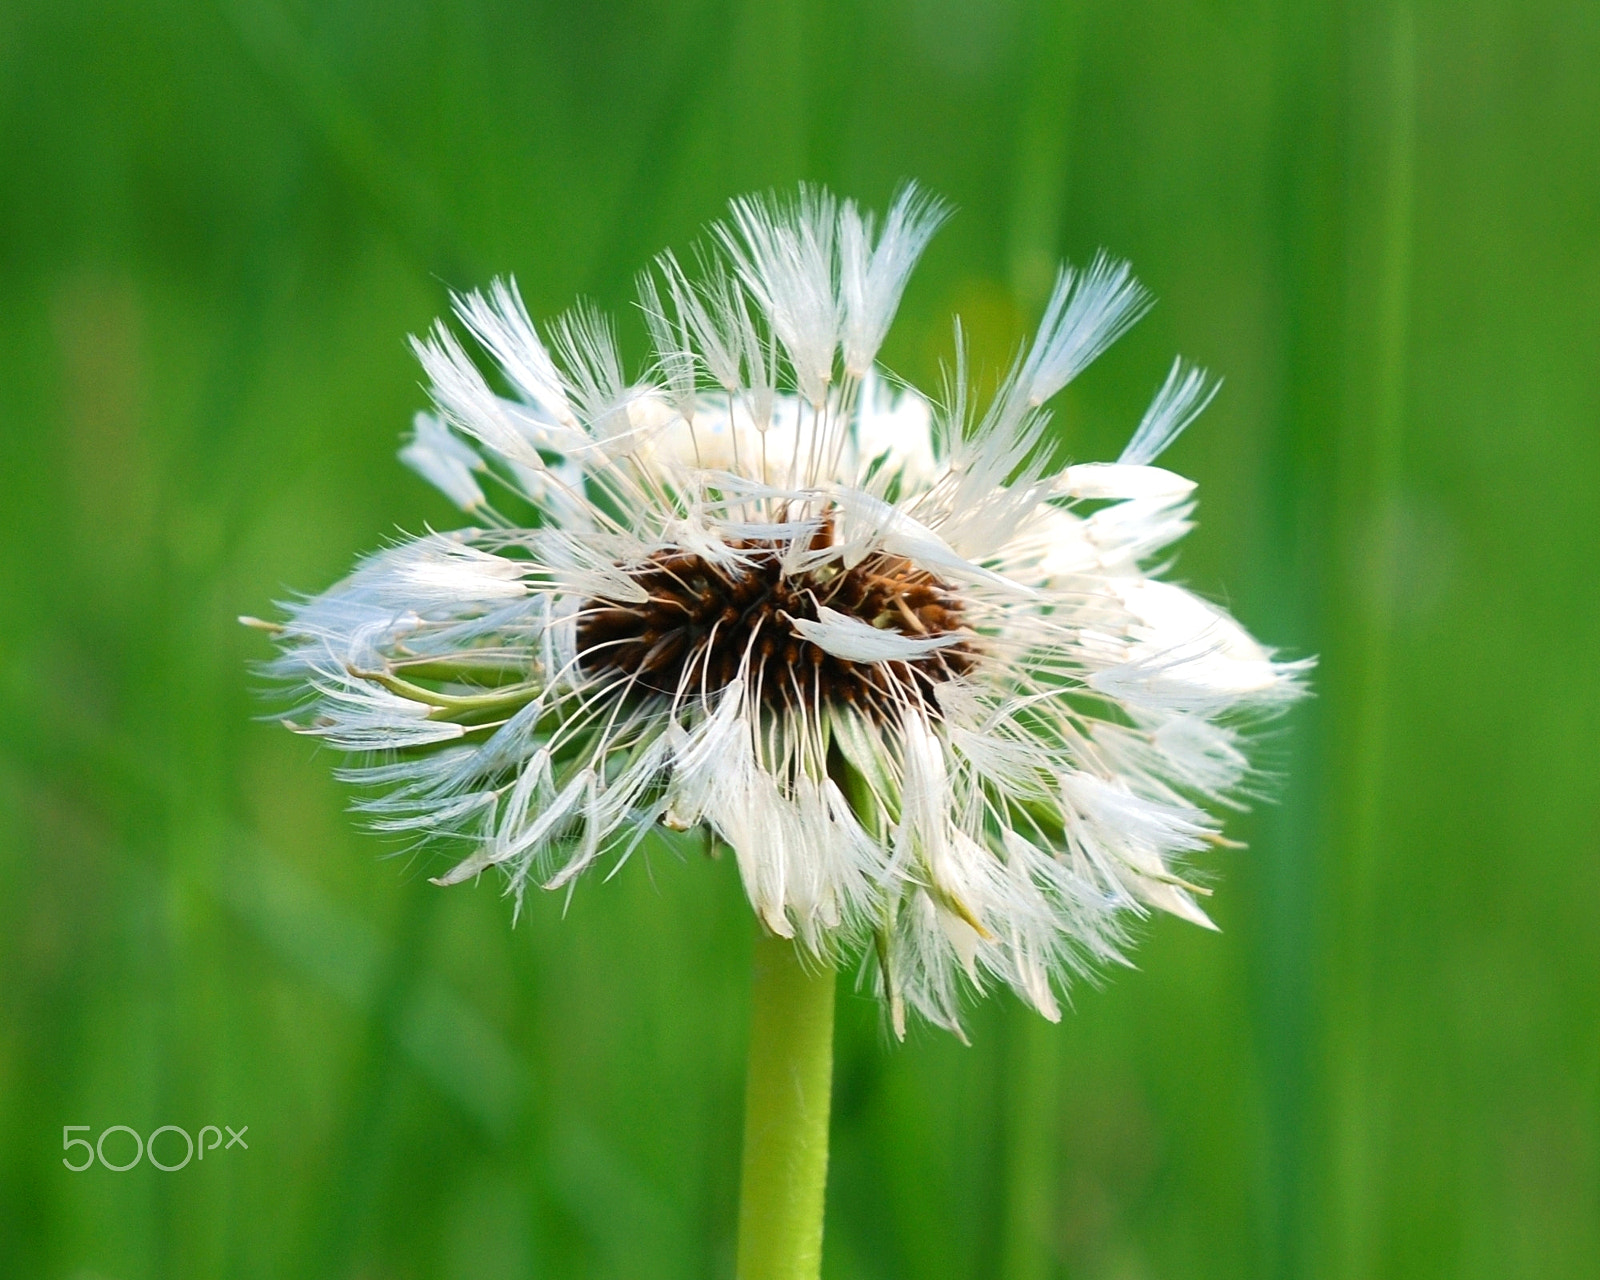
column 786, row 1100
column 1033, row 1142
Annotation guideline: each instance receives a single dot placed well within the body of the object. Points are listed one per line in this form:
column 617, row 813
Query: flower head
column 924, row 687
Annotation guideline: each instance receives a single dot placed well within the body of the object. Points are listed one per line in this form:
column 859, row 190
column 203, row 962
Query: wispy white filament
column 1182, row 398
column 784, row 254
column 445, row 461
column 1087, row 312
column 873, row 271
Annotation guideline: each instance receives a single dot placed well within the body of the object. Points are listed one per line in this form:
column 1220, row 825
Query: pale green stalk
column 1032, row 1147
column 786, row 1102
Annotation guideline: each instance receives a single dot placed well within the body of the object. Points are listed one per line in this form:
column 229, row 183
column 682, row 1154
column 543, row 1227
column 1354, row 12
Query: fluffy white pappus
column 873, row 270
column 1086, row 313
column 1183, row 398
column 445, row 461
column 785, row 253
column 706, row 324
column 587, row 343
column 1185, row 654
column 501, row 325
column 466, row 402
column 1147, row 510
column 930, row 692
column 894, row 436
column 677, row 363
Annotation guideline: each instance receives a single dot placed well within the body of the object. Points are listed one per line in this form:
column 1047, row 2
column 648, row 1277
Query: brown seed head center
column 703, row 622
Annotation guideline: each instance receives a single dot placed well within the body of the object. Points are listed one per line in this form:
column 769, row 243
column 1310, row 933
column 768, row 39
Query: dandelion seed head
column 935, row 698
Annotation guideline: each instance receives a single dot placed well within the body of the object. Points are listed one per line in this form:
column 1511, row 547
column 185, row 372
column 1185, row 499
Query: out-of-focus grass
column 218, row 222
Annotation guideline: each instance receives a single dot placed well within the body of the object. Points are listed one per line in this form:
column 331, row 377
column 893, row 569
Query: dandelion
column 925, row 686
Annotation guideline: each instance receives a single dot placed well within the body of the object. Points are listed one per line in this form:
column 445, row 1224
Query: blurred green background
column 1381, row 222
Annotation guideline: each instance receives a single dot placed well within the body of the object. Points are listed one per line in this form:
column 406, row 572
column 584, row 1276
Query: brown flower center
column 702, row 620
